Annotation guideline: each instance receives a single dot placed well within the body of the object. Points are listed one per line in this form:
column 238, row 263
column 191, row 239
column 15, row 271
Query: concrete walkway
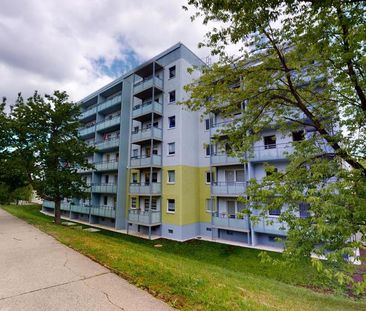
column 39, row 273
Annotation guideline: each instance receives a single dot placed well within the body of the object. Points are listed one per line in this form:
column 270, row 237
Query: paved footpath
column 39, row 273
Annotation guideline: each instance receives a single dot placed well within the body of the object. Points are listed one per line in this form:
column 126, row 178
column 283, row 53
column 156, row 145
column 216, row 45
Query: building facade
column 156, row 171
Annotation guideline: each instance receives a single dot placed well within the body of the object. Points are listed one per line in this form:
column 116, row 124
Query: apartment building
column 157, row 172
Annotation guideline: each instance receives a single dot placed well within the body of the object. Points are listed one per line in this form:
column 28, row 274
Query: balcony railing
column 107, row 144
column 271, row 152
column 149, row 217
column 104, row 188
column 87, row 113
column 220, row 220
column 223, row 159
column 110, row 103
column 149, row 133
column 147, row 107
column 108, row 123
column 148, row 83
column 145, row 188
column 228, row 188
column 81, row 209
column 106, row 165
column 87, row 130
column 103, row 211
column 270, row 225
column 146, row 161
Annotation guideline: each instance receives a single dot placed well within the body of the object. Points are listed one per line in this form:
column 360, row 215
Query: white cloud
column 48, row 45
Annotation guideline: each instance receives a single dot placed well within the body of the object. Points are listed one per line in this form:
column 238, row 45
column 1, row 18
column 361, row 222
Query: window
column 171, row 148
column 172, row 96
column 147, row 151
column 298, row 136
column 171, row 121
column 171, row 72
column 209, row 205
column 154, row 203
column 275, row 212
column 156, row 124
column 207, row 124
column 231, row 209
column 146, row 204
column 134, row 178
column 170, row 231
column 239, row 175
column 155, row 150
column 171, row 206
column 105, row 200
column 135, row 129
column 133, row 202
column 208, row 229
column 117, row 156
column 304, row 210
column 154, row 177
column 208, row 177
column 171, row 177
column 108, row 157
column 269, row 142
column 208, row 149
column 106, row 179
column 135, row 153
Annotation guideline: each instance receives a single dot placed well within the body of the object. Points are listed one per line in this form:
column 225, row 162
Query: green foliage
column 301, row 65
column 22, row 193
column 47, row 145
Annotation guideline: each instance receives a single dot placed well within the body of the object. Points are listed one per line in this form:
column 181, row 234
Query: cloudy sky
column 80, row 45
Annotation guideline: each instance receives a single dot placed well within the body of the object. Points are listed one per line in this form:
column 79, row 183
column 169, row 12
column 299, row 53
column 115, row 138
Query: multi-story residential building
column 157, row 172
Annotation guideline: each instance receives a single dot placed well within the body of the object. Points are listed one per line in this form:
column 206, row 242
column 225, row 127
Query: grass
column 198, row 275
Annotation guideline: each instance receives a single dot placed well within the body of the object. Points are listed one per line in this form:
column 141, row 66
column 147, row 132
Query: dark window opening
column 172, row 72
column 269, row 142
column 298, row 136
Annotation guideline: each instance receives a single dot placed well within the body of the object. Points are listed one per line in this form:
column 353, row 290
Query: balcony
column 147, row 83
column 147, row 134
column 271, row 152
column 81, row 209
column 105, row 188
column 50, row 204
column 106, row 166
column 146, row 108
column 88, row 113
column 87, row 131
column 270, row 225
column 108, row 123
column 107, row 144
column 103, row 211
column 223, row 159
column 147, row 218
column 84, row 170
column 115, row 101
column 228, row 188
column 145, row 188
column 223, row 221
column 155, row 160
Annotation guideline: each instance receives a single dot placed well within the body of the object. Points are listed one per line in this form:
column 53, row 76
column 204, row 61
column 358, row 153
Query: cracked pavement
column 39, row 273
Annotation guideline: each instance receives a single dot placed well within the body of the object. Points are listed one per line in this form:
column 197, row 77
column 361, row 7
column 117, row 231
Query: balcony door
column 229, row 176
column 230, row 208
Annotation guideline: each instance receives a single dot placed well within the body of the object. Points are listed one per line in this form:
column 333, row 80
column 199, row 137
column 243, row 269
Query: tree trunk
column 58, row 211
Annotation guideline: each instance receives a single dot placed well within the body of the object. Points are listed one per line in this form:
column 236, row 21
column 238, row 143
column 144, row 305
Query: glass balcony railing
column 107, row 144
column 87, row 113
column 145, row 84
column 233, row 222
column 150, row 217
column 102, row 125
column 50, row 204
column 146, row 161
column 270, row 225
column 145, row 188
column 103, row 211
column 147, row 107
column 228, row 188
column 223, row 159
column 87, row 130
column 146, row 134
column 104, row 188
column 110, row 103
column 106, row 165
column 81, row 209
column 271, row 152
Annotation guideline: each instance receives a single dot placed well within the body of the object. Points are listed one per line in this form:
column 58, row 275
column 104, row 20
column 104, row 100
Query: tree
column 46, row 137
column 300, row 65
column 22, row 193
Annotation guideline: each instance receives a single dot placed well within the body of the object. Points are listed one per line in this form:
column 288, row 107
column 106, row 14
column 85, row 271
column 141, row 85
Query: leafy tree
column 46, row 136
column 22, row 193
column 299, row 65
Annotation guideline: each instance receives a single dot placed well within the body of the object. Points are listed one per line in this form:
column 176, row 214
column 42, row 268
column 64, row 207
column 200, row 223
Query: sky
column 80, row 45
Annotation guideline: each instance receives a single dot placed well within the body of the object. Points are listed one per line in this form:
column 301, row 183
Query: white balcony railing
column 145, row 188
column 147, row 83
column 228, row 188
column 146, row 161
column 150, row 217
column 147, row 107
column 220, row 220
column 149, row 133
column 108, row 123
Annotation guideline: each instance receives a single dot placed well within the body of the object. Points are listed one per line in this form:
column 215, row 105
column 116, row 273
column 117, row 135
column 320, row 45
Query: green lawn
column 197, row 275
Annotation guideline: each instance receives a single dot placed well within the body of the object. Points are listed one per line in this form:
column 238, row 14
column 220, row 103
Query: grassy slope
column 196, row 275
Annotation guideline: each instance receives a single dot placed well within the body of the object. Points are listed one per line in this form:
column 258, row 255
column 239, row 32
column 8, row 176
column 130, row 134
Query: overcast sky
column 80, row 45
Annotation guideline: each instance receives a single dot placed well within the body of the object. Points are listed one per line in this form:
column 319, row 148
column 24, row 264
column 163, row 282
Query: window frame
column 170, row 96
column 174, row 70
column 168, row 177
column 174, row 152
column 169, row 122
column 167, row 206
